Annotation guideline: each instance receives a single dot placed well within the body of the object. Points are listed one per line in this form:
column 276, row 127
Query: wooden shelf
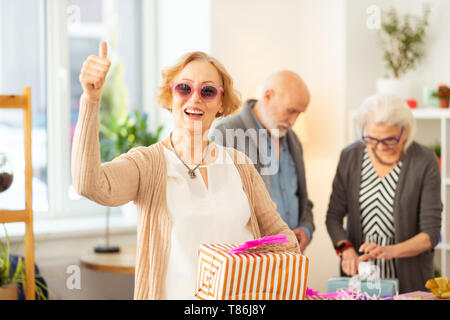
column 431, row 113
column 441, row 117
column 10, row 216
column 443, row 246
column 13, row 102
column 23, row 102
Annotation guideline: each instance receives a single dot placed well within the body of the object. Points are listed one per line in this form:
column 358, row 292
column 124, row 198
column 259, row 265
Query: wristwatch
column 342, row 247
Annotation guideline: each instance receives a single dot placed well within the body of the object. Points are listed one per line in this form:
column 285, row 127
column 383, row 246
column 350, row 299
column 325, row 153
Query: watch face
column 341, row 246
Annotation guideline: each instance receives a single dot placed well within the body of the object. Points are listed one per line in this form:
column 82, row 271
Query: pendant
column 192, row 174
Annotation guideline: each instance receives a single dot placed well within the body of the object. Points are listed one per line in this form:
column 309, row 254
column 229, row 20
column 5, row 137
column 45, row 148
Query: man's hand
column 350, row 262
column 93, row 73
column 302, row 238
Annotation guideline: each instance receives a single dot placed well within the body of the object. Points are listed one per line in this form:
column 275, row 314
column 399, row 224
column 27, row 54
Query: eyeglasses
column 389, row 141
column 207, row 92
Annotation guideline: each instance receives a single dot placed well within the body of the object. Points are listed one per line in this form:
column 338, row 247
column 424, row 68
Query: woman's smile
column 193, row 113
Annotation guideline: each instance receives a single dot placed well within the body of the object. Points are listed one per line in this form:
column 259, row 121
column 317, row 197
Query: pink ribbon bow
column 279, row 238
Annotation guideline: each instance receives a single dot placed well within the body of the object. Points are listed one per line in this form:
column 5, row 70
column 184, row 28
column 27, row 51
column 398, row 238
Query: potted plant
column 437, row 149
column 402, row 42
column 12, row 274
column 6, row 173
column 443, row 94
column 118, row 136
column 430, row 97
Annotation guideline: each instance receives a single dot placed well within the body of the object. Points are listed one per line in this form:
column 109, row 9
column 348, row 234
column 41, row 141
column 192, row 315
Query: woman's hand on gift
column 350, row 261
column 373, row 251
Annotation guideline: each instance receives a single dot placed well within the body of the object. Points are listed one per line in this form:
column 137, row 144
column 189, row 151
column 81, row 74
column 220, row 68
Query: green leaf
column 403, row 41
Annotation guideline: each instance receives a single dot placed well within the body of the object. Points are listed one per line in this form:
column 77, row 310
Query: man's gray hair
column 390, row 110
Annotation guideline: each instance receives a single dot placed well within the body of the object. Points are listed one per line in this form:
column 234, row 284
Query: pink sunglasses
column 207, row 92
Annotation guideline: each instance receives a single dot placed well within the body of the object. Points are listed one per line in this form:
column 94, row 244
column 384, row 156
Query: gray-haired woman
column 389, row 187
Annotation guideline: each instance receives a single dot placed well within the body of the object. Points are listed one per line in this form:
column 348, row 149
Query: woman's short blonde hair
column 231, row 100
column 389, row 110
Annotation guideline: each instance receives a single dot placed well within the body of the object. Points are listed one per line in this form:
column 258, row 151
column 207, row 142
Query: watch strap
column 342, row 247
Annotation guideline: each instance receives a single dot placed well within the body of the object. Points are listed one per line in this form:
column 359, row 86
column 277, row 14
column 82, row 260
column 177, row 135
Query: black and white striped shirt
column 376, row 200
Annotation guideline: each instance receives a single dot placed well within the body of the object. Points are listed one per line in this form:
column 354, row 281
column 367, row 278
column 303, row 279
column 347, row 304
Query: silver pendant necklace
column 191, row 172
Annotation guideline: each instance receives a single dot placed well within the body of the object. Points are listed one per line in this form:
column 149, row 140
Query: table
column 120, row 262
column 420, row 295
column 415, row 295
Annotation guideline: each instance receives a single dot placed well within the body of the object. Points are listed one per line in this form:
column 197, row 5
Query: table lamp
column 107, row 248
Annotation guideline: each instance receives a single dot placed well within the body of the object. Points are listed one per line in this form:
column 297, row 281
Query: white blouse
column 217, row 214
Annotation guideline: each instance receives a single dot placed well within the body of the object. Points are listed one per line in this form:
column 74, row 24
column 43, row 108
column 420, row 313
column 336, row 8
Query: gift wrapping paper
column 385, row 287
column 418, row 295
column 250, row 276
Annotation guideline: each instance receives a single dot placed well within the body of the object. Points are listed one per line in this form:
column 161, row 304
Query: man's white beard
column 274, row 127
column 278, row 133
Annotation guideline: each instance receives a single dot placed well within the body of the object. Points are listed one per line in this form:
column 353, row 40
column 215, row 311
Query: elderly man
column 284, row 97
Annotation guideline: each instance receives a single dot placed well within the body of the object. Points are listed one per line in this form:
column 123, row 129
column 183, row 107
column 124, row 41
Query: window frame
column 58, row 94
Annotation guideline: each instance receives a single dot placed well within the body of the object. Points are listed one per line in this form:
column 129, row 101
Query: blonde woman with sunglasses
column 187, row 189
column 389, row 187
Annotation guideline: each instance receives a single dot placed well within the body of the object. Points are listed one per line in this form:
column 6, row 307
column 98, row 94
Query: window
column 43, row 45
column 119, row 23
column 22, row 63
column 93, row 21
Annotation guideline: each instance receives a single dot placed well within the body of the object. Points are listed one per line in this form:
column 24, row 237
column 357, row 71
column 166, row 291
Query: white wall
column 435, row 68
column 183, row 26
column 322, row 127
column 364, row 63
column 254, row 38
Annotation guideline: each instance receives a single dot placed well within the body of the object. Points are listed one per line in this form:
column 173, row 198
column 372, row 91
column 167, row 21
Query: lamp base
column 107, row 249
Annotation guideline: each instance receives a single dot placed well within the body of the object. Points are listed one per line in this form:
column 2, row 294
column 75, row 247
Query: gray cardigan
column 417, row 208
column 244, row 120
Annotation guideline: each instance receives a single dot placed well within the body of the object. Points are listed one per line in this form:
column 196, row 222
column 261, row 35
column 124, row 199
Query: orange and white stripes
column 249, row 276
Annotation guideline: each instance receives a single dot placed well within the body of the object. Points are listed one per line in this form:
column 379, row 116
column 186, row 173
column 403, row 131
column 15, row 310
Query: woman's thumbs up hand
column 93, row 73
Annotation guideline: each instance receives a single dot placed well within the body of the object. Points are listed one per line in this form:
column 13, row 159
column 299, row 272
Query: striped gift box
column 250, row 276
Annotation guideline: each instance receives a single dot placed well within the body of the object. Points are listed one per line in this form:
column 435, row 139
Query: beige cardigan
column 140, row 176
